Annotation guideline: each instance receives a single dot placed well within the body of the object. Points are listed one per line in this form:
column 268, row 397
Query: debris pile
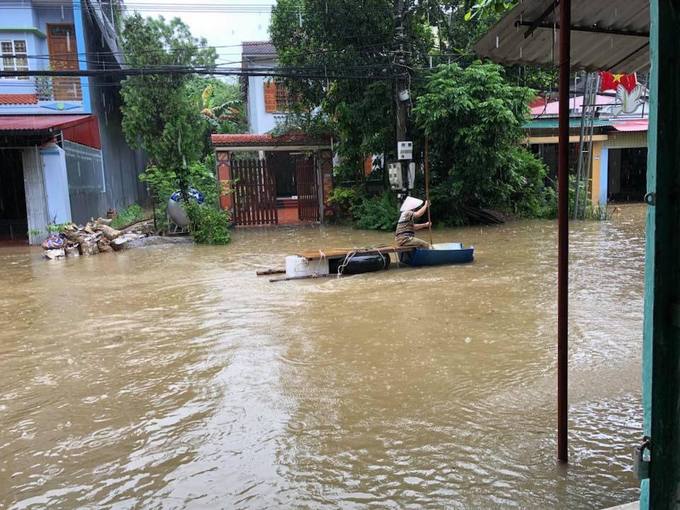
column 97, row 236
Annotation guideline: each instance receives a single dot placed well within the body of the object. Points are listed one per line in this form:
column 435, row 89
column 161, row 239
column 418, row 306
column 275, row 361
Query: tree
column 221, row 104
column 356, row 39
column 480, row 8
column 159, row 113
column 474, row 119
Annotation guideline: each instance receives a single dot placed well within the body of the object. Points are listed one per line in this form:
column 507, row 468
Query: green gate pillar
column 661, row 346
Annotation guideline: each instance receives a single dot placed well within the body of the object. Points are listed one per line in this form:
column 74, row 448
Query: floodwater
column 173, row 377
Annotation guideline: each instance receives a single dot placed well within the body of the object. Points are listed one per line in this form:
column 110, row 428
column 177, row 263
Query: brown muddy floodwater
column 173, row 377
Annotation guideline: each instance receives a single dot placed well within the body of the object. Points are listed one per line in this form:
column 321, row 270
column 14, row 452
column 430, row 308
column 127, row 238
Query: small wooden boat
column 439, row 254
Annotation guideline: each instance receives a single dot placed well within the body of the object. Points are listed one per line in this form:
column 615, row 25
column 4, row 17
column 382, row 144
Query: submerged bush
column 343, row 200
column 377, row 213
column 208, row 223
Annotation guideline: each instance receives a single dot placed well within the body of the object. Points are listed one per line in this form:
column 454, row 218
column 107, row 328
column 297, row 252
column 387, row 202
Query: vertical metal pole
column 427, row 186
column 563, row 234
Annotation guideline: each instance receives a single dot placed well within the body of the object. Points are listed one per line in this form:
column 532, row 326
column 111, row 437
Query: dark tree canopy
column 159, row 115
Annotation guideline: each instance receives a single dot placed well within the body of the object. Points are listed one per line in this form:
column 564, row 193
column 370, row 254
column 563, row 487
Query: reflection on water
column 174, row 377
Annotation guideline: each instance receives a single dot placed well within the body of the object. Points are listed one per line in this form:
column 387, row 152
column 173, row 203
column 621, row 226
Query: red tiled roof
column 251, row 140
column 537, row 101
column 6, row 99
column 39, row 122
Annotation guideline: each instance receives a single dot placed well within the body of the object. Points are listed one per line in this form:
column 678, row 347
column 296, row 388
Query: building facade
column 619, row 142
column 283, row 179
column 63, row 150
column 266, row 97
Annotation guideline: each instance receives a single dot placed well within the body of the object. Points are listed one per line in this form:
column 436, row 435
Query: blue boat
column 439, row 254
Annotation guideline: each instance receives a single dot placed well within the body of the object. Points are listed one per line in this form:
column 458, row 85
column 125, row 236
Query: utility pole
column 400, row 84
column 401, row 172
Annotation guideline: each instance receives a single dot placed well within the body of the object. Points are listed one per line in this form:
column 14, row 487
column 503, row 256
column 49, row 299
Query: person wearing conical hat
column 412, row 209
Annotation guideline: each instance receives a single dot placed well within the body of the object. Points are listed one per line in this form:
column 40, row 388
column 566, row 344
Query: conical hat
column 410, row 203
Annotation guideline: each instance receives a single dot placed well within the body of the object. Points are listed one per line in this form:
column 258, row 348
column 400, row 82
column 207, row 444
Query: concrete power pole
column 400, row 83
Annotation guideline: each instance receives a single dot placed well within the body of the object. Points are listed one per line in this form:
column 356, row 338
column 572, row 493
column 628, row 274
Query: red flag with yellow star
column 611, row 81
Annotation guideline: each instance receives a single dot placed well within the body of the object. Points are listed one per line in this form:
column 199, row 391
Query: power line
column 200, row 7
column 128, row 72
column 168, row 51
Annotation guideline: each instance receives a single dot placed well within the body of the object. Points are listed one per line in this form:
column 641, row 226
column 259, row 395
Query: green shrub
column 209, row 224
column 377, row 213
column 131, row 214
column 55, row 228
column 163, row 182
column 343, row 200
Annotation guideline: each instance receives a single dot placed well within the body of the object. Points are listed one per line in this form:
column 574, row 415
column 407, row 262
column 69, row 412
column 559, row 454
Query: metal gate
column 307, row 189
column 254, row 192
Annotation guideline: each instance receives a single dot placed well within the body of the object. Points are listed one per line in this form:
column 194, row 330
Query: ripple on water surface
column 176, row 378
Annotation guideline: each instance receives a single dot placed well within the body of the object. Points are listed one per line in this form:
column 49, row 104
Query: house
column 285, row 179
column 619, row 142
column 61, row 143
column 267, row 100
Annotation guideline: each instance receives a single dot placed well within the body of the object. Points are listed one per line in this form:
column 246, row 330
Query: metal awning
column 610, row 35
column 632, row 125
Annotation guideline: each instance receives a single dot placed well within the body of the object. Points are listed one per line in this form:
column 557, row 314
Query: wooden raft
column 334, row 253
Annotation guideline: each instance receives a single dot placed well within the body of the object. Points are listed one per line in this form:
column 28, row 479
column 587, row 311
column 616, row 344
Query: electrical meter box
column 395, row 176
column 405, row 150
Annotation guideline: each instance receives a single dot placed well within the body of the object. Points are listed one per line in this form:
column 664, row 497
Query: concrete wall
column 19, row 16
column 56, row 184
column 259, row 120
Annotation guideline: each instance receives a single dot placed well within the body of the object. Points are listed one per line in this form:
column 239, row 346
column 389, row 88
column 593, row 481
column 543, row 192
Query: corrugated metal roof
column 39, row 123
column 606, row 35
column 575, row 103
column 553, row 123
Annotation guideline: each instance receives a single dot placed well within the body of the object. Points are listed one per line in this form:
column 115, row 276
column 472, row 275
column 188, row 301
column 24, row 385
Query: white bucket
column 299, row 266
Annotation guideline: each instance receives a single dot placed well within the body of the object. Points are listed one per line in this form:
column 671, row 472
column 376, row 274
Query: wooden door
column 61, row 43
column 254, row 192
column 307, row 189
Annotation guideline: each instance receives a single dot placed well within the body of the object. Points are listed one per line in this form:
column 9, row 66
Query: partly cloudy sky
column 224, row 23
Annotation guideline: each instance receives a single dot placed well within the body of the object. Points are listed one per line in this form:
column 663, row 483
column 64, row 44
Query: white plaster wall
column 259, row 121
column 56, row 184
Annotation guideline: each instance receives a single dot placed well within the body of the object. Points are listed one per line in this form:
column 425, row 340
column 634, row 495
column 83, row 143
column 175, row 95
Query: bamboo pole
column 427, row 187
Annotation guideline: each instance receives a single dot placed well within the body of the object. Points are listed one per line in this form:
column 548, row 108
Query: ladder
column 585, row 151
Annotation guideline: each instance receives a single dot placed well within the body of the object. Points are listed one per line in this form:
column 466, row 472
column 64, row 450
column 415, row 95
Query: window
column 276, row 97
column 14, row 56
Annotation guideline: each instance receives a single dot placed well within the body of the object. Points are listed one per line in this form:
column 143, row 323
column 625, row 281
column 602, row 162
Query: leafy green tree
column 221, row 104
column 474, row 119
column 355, row 39
column 159, row 113
column 480, row 8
